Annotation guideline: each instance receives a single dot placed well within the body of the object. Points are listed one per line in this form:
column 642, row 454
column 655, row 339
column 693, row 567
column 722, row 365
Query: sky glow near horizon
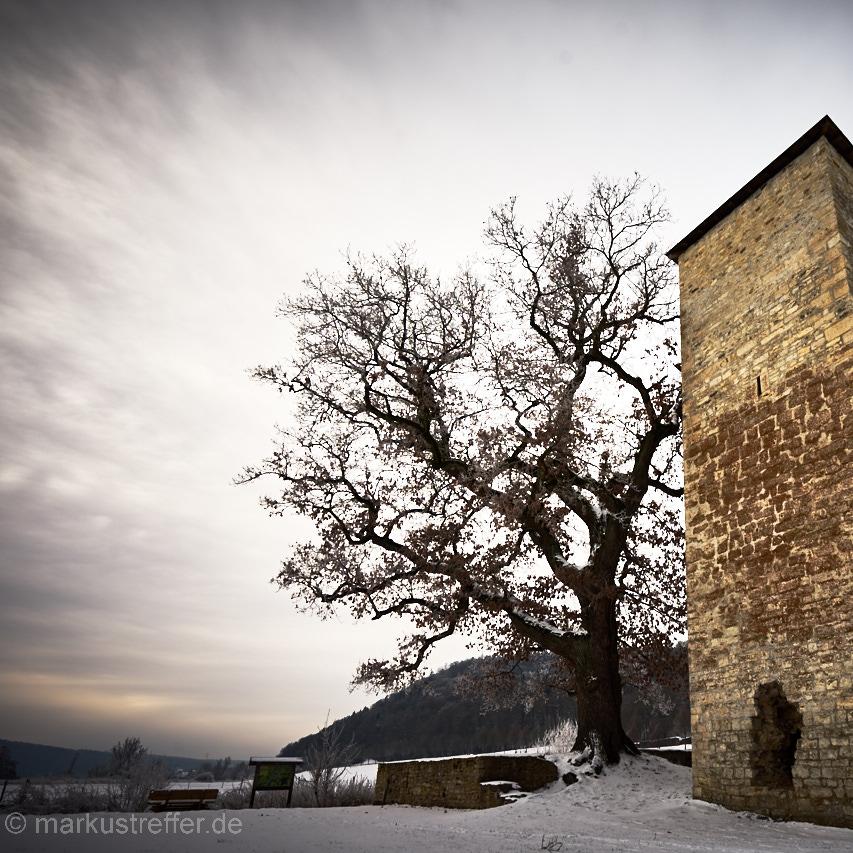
column 168, row 171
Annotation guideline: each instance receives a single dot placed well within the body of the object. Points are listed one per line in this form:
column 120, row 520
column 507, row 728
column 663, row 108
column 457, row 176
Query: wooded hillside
column 438, row 715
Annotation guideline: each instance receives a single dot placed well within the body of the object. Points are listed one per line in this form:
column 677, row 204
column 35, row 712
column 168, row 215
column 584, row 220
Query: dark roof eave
column 825, row 128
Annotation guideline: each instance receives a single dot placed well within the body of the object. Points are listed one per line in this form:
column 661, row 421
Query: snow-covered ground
column 365, row 771
column 642, row 805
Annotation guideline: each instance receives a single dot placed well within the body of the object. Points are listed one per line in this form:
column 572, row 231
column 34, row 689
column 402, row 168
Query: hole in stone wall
column 776, row 729
column 758, row 385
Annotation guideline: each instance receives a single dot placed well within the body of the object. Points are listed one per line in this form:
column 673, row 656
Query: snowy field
column 642, row 805
column 366, row 771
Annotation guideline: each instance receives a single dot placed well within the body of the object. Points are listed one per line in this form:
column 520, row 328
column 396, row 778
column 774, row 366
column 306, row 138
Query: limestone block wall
column 455, row 782
column 767, row 339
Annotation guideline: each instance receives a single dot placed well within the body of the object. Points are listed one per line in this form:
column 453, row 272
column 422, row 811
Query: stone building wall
column 767, row 339
column 456, row 782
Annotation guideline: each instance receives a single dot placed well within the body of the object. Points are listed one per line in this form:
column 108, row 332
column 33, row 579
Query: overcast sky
column 169, row 170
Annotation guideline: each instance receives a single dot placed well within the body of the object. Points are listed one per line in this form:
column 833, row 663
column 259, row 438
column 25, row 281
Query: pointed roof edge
column 825, row 128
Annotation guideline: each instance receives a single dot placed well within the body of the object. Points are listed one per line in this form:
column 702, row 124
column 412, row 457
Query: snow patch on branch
column 574, row 567
column 595, row 505
column 541, row 625
column 512, row 606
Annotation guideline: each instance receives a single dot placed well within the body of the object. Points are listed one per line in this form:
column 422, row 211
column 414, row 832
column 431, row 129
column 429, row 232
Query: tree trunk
column 599, row 688
column 594, row 658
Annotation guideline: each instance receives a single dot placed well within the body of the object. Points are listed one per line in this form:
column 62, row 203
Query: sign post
column 274, row 774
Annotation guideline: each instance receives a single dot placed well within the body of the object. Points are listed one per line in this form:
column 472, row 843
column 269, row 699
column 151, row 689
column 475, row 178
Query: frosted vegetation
column 642, row 804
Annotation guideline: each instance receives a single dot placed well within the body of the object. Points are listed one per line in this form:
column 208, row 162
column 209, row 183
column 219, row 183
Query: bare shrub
column 326, row 761
column 125, row 793
column 30, row 798
column 63, row 798
column 75, row 799
column 560, row 739
column 236, row 797
column 239, row 797
column 355, row 791
column 129, row 792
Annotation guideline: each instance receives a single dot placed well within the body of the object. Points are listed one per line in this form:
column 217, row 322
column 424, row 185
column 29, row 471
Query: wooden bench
column 181, row 799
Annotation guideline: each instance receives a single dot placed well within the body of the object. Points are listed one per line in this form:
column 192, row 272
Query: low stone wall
column 456, row 782
column 684, row 757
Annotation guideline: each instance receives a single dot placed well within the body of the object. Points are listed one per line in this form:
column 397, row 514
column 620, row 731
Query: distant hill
column 434, row 717
column 37, row 760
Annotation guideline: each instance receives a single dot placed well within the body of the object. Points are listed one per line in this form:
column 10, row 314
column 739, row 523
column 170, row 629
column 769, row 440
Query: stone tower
column 767, row 338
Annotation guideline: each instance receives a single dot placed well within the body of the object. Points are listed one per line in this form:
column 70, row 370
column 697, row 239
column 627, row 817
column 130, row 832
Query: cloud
column 167, row 172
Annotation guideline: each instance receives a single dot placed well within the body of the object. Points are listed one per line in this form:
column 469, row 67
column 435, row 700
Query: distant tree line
column 129, row 754
column 223, row 769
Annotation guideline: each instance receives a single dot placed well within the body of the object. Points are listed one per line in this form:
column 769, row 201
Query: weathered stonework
column 456, row 783
column 767, row 339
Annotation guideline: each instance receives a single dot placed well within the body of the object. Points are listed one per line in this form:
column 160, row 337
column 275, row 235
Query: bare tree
column 135, row 773
column 497, row 457
column 126, row 755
